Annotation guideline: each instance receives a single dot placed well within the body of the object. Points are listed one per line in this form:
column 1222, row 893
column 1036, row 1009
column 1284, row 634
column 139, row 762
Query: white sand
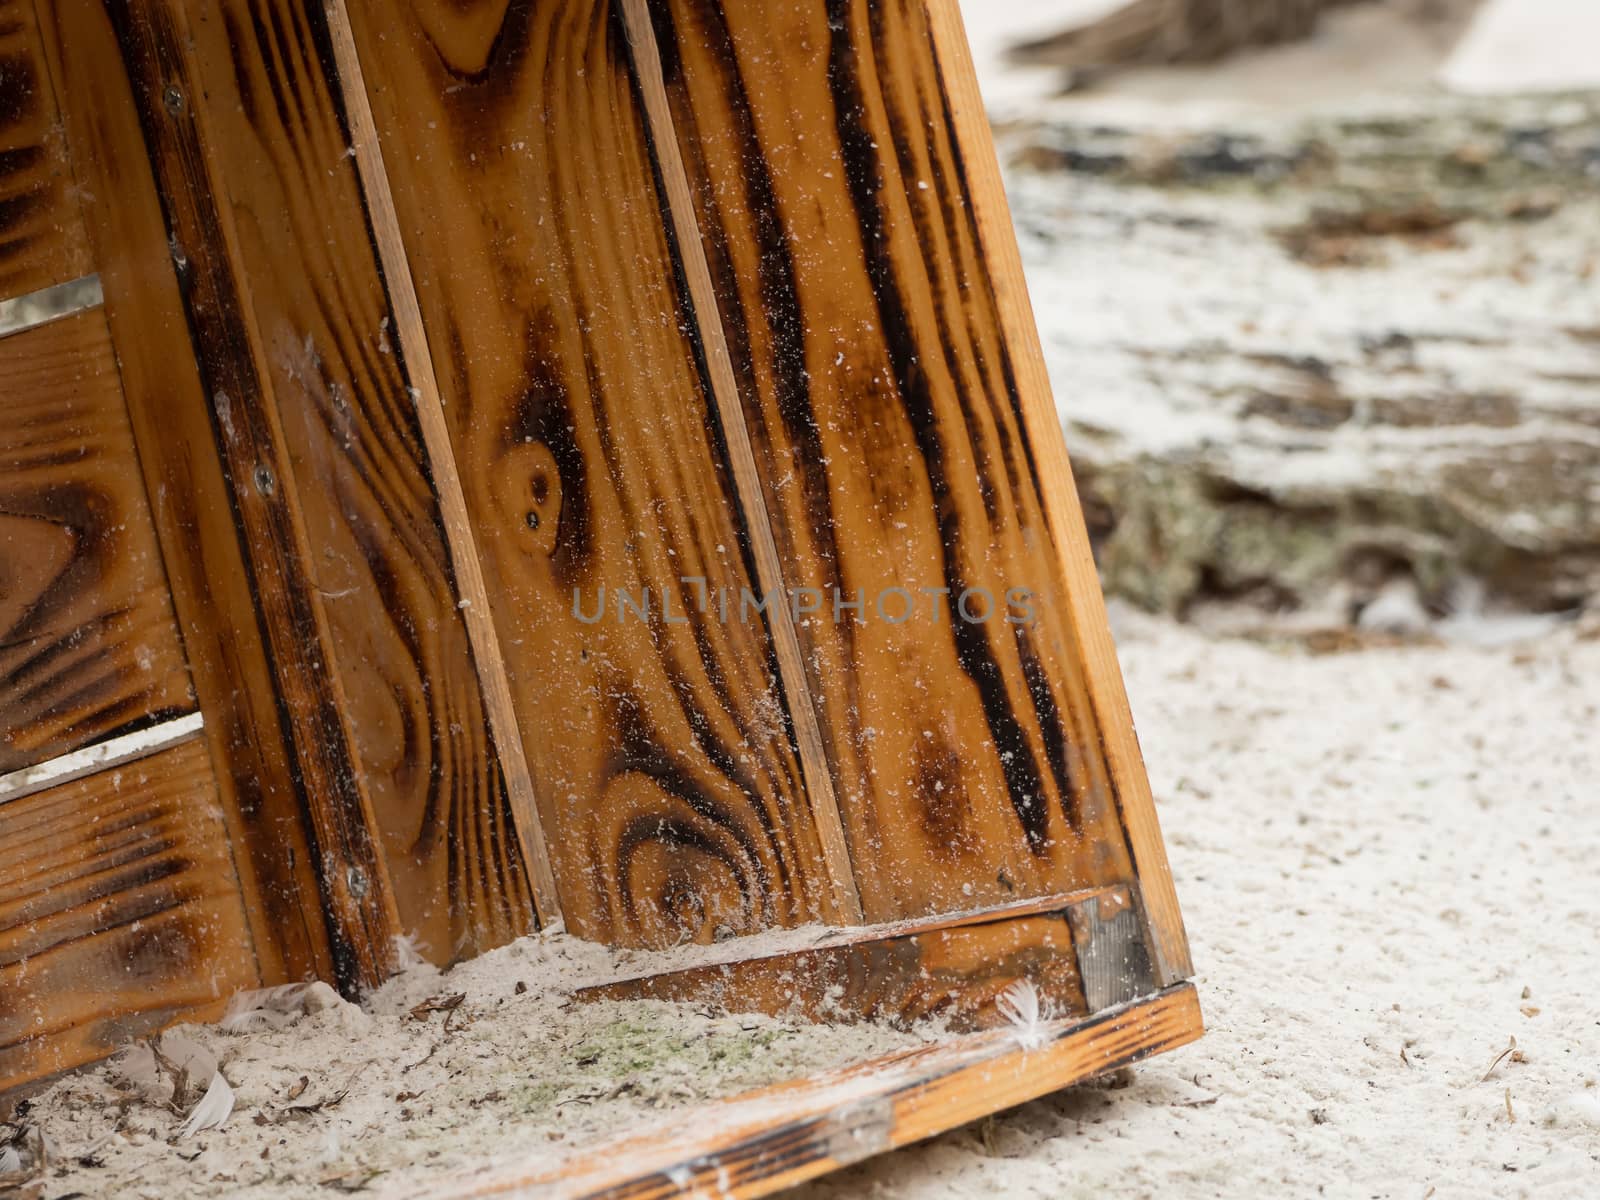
column 386, row 1096
column 1389, row 863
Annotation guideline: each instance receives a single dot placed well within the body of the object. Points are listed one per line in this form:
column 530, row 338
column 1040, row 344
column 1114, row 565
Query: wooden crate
column 442, row 514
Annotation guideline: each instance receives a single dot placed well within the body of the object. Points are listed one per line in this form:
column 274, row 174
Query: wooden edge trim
column 113, row 752
column 1083, row 955
column 790, row 942
column 1095, row 649
column 724, row 389
column 773, row 1138
column 413, row 340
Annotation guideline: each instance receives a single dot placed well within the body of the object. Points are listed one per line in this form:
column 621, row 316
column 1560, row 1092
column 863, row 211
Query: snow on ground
column 1389, row 863
column 434, row 1076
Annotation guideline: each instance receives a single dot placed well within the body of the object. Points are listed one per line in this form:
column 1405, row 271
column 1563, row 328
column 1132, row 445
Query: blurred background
column 1317, row 283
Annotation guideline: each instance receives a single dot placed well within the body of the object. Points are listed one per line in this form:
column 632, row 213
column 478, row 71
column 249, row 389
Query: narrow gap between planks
column 20, row 313
column 746, row 477
column 100, row 756
column 413, row 339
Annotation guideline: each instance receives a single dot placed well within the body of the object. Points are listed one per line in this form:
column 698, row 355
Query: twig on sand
column 1510, row 1051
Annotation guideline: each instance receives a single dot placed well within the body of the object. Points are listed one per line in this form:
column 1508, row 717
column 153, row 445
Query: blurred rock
column 1332, row 364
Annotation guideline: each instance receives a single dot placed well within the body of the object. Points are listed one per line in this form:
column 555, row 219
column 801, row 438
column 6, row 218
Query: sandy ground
column 1388, row 866
column 434, row 1076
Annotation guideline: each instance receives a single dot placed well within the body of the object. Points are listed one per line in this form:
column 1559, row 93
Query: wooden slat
column 955, row 975
column 89, row 648
column 765, row 1141
column 120, row 912
column 157, row 51
column 670, row 781
column 42, row 238
column 333, row 369
column 741, row 456
column 878, row 380
column 435, row 429
column 231, row 654
column 1092, row 646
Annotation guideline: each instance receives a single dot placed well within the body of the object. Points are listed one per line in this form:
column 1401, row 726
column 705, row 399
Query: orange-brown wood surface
column 671, row 783
column 874, row 366
column 158, row 50
column 484, row 365
column 120, row 912
column 88, row 643
column 215, row 580
column 42, row 238
column 332, row 369
column 1091, row 645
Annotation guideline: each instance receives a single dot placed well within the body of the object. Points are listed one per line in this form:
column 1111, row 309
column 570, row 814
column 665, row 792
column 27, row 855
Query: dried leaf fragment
column 435, row 1004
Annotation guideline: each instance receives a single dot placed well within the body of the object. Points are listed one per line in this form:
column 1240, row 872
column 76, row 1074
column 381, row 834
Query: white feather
column 136, row 1068
column 188, row 1055
column 265, row 1008
column 1020, row 1005
column 10, row 1160
column 214, row 1108
column 408, row 950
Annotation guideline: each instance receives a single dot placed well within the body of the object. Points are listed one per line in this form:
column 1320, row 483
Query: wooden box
column 530, row 461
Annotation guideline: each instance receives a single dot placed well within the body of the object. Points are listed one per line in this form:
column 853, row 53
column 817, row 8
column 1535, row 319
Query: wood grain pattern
column 89, row 646
column 741, row 458
column 953, row 974
column 156, row 45
column 881, row 391
column 1092, row 647
column 113, row 68
column 338, row 378
column 446, row 474
column 120, row 912
column 42, row 238
column 669, row 777
column 771, row 1139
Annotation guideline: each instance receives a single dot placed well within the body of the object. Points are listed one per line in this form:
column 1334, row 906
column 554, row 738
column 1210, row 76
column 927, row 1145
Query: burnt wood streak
column 1093, row 648
column 222, row 478
column 334, row 370
column 42, row 238
column 881, row 394
column 120, row 912
column 88, row 644
column 663, row 752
